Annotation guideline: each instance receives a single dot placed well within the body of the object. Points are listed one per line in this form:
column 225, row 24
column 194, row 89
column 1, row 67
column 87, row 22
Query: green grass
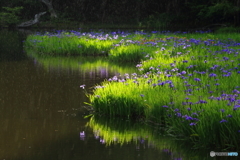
column 189, row 83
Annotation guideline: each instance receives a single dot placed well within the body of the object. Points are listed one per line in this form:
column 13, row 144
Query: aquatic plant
column 188, row 82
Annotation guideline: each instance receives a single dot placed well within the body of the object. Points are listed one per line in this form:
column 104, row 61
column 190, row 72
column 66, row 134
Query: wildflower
column 141, row 95
column 195, row 119
column 229, row 116
column 121, row 80
column 183, row 72
column 212, row 75
column 115, row 78
column 236, row 107
column 134, row 74
column 136, row 82
column 154, row 84
column 195, row 114
column 139, row 65
column 223, row 120
column 165, row 106
column 172, row 64
column 197, row 79
column 191, row 66
column 161, row 83
column 222, row 110
column 225, row 58
column 98, row 87
column 192, row 124
column 189, row 109
column 176, row 110
column 162, row 49
column 202, row 101
column 82, row 86
column 188, row 117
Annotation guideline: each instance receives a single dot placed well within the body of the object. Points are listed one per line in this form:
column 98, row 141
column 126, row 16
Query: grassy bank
column 189, row 82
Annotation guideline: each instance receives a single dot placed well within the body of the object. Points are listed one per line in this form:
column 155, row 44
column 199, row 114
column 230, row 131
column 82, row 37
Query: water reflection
column 41, row 109
column 41, row 112
column 94, row 66
column 146, row 139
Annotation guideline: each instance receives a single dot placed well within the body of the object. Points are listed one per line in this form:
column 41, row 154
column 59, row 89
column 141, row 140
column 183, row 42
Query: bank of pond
column 186, row 83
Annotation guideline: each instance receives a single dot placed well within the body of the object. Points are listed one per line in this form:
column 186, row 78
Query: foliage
column 183, row 85
column 228, row 30
column 10, row 16
column 143, row 13
column 210, row 12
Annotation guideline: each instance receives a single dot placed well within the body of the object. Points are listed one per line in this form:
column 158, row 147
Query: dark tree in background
column 152, row 13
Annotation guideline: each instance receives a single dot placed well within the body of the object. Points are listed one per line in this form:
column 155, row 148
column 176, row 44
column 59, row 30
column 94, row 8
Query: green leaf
column 90, row 115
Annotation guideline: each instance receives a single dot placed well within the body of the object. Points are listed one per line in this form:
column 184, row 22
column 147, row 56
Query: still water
column 42, row 112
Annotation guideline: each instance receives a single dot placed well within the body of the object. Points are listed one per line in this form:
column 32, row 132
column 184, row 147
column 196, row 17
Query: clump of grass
column 123, row 53
column 66, row 43
column 188, row 82
column 185, row 87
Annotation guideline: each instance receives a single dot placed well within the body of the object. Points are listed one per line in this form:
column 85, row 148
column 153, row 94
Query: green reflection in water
column 87, row 64
column 117, row 131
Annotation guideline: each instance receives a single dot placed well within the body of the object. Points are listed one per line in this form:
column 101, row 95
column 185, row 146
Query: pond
column 42, row 111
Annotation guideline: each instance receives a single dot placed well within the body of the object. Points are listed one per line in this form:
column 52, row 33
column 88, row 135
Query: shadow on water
column 41, row 112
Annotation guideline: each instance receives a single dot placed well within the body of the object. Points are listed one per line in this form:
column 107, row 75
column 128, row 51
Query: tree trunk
column 32, row 22
column 50, row 8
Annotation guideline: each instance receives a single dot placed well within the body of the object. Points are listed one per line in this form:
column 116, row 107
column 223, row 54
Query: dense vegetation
column 141, row 13
column 188, row 82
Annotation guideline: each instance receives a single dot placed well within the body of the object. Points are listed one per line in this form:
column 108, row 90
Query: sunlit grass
column 189, row 83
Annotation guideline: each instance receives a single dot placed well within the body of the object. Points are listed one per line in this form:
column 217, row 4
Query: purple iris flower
column 197, row 79
column 223, row 121
column 212, row 75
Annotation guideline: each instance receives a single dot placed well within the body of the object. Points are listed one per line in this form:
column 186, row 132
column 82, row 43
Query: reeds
column 188, row 82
